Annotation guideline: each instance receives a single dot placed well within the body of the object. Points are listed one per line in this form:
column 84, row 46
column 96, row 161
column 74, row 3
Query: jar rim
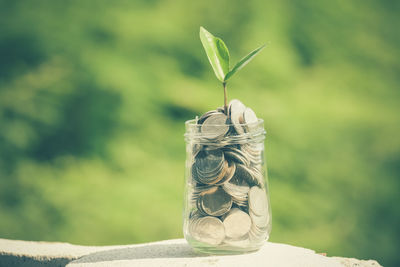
column 258, row 123
column 257, row 132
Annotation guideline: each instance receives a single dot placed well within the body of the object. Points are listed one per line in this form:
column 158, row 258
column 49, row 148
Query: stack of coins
column 228, row 196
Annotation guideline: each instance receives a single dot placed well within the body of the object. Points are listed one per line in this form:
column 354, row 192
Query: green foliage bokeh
column 94, row 95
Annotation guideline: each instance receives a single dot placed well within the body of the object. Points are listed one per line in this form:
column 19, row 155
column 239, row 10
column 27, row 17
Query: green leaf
column 217, row 53
column 243, row 62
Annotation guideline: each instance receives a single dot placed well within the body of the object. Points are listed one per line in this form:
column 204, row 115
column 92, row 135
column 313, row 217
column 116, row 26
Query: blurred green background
column 94, row 95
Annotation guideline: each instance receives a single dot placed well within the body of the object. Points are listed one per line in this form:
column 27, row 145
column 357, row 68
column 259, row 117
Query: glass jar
column 227, row 208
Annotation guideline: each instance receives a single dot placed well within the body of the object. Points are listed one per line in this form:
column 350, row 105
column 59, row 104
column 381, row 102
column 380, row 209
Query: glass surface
column 227, row 208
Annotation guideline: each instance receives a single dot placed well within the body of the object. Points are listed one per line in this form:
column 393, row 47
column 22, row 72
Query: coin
column 205, row 178
column 244, row 174
column 208, row 229
column 237, row 155
column 258, row 175
column 238, row 187
column 211, row 175
column 250, row 119
column 237, row 223
column 253, row 154
column 215, row 126
column 208, row 164
column 222, row 173
column 258, row 203
column 216, row 203
column 209, row 160
column 194, row 173
column 206, row 115
column 259, row 221
column 215, row 177
column 235, row 111
column 199, row 207
column 200, row 189
column 230, row 171
column 196, row 148
column 257, row 235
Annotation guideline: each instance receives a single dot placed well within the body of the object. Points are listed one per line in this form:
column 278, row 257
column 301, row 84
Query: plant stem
column 225, row 98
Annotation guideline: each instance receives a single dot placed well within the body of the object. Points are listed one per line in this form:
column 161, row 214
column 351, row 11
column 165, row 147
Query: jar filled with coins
column 227, row 207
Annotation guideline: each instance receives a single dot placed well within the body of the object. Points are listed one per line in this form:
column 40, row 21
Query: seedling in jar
column 218, row 56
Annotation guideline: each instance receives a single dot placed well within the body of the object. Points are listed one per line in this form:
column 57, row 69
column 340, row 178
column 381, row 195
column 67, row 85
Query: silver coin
column 216, row 203
column 256, row 232
column 209, row 174
column 237, row 155
column 258, row 203
column 251, row 150
column 250, row 119
column 195, row 177
column 230, row 171
column 193, row 219
column 240, row 202
column 236, row 110
column 237, row 223
column 218, row 178
column 194, row 215
column 199, row 207
column 199, row 189
column 196, row 148
column 215, row 126
column 238, row 193
column 243, row 174
column 209, row 230
column 203, row 178
column 261, row 222
column 258, row 176
column 237, row 187
column 252, row 175
column 257, row 236
column 208, row 114
column 211, row 178
column 209, row 161
column 208, row 164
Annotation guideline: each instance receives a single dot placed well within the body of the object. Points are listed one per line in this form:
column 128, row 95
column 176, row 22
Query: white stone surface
column 164, row 253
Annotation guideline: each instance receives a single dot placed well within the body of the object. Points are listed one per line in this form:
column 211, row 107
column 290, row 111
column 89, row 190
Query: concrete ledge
column 174, row 252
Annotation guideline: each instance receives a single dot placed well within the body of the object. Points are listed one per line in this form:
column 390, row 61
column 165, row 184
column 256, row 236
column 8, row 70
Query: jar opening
column 231, row 133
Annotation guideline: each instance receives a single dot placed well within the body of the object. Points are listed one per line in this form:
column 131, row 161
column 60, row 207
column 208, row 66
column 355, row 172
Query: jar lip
column 194, row 133
column 193, row 123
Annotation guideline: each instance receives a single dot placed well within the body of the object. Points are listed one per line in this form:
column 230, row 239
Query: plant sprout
column 218, row 55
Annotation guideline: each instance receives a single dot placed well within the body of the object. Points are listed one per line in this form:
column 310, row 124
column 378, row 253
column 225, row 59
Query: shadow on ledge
column 11, row 260
column 148, row 251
